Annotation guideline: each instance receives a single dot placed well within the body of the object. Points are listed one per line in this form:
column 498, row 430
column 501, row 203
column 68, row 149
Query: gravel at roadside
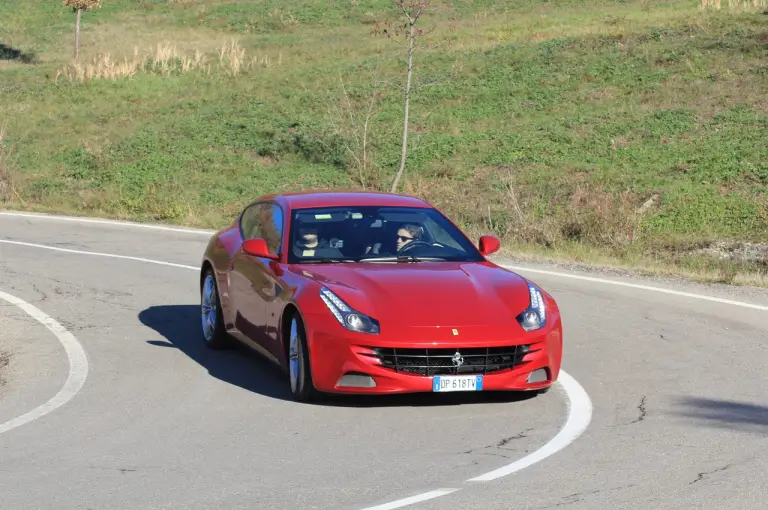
column 739, row 292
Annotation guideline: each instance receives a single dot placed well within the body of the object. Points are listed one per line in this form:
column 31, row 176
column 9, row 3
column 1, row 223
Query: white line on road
column 99, row 221
column 78, row 364
column 412, row 500
column 641, row 287
column 579, row 403
column 742, row 304
column 97, row 254
column 579, row 416
column 129, row 224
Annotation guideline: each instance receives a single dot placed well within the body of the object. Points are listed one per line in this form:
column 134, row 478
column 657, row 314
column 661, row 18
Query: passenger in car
column 309, row 244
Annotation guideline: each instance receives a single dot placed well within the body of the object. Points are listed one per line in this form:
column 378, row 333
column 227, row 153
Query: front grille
column 470, row 360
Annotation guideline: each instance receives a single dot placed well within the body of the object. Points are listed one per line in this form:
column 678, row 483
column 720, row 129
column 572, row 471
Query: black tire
column 217, row 337
column 299, row 370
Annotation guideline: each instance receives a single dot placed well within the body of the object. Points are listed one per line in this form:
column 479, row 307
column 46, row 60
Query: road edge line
column 78, row 364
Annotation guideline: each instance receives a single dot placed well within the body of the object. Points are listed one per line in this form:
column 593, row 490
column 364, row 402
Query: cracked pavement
column 4, row 361
column 33, row 365
column 680, row 414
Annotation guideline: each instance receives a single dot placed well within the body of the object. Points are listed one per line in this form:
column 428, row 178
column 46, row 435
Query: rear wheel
column 299, row 373
column 212, row 321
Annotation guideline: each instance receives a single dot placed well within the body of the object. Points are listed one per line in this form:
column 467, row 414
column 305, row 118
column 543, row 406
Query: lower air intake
column 452, row 361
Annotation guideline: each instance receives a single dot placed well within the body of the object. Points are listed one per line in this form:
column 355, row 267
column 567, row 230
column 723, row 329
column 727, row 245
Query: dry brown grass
column 734, row 4
column 7, row 183
column 82, row 4
column 586, row 257
column 484, row 32
column 164, row 60
column 351, row 119
column 594, row 216
column 733, row 87
column 121, row 32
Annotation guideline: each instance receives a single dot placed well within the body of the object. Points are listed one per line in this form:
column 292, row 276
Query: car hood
column 427, row 294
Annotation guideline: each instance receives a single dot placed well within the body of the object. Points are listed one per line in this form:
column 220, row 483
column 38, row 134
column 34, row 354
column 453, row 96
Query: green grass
column 548, row 123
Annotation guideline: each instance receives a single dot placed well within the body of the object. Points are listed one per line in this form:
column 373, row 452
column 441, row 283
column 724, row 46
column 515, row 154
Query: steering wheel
column 410, row 245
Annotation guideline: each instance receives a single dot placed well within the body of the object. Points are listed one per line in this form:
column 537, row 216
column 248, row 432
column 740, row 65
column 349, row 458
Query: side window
column 271, row 226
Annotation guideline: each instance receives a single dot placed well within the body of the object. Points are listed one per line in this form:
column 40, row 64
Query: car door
column 252, row 280
column 270, row 282
column 243, row 284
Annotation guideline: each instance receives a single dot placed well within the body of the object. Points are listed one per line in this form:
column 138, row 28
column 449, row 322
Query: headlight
column 535, row 316
column 347, row 317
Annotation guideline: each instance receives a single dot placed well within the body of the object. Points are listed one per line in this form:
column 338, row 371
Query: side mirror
column 489, row 245
column 258, row 248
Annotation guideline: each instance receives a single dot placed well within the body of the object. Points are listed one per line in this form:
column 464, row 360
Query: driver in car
column 407, row 234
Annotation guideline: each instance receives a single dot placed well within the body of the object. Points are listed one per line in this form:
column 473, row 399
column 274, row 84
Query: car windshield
column 376, row 234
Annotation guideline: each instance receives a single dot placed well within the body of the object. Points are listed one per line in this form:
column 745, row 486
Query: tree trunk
column 404, row 149
column 77, row 33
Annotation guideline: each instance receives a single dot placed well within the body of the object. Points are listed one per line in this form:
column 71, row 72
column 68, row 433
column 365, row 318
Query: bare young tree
column 412, row 10
column 353, row 121
column 78, row 6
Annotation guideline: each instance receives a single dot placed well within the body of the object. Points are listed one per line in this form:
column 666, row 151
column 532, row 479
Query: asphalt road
column 680, row 406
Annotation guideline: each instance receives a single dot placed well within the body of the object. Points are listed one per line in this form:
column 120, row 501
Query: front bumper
column 346, row 362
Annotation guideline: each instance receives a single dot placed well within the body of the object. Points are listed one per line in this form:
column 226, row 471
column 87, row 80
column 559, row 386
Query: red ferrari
column 356, row 292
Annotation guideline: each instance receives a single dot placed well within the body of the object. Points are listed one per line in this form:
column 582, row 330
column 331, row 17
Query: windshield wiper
column 325, row 261
column 403, row 258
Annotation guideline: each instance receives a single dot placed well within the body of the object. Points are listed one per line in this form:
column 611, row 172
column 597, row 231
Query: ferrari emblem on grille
column 457, row 359
column 455, row 332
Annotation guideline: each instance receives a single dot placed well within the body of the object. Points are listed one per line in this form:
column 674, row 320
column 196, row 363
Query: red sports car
column 357, row 292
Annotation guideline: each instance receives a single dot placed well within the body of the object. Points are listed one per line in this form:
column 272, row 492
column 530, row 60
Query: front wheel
column 212, row 319
column 299, row 372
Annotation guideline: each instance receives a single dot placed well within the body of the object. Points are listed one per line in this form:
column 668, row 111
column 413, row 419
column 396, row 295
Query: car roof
column 329, row 198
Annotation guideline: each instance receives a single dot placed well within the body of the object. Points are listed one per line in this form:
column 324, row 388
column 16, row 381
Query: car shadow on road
column 728, row 414
column 179, row 325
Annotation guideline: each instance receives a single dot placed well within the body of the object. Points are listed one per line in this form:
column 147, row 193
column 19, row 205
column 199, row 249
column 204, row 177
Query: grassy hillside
column 628, row 132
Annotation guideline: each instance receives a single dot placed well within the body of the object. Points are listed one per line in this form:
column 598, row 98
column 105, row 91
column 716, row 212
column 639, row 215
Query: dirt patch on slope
column 737, row 251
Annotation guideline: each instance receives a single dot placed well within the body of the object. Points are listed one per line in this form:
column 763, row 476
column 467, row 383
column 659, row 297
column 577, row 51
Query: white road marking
column 638, row 286
column 579, row 403
column 742, row 304
column 97, row 254
column 78, row 364
column 412, row 500
column 511, row 267
column 579, row 416
column 80, row 219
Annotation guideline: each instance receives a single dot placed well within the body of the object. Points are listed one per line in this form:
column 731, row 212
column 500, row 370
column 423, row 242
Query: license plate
column 457, row 383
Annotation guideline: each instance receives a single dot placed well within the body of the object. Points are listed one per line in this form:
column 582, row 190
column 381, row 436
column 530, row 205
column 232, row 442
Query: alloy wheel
column 208, row 308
